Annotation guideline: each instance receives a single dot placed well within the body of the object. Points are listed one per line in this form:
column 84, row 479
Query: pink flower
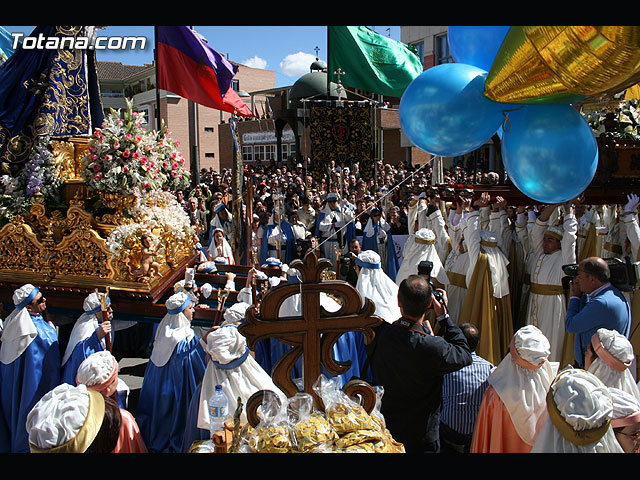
column 126, row 154
column 128, row 136
column 145, row 185
column 138, row 138
column 94, row 157
column 174, row 173
column 173, row 156
column 108, row 157
column 143, row 160
column 125, row 169
column 165, row 164
column 116, row 144
column 174, row 165
column 98, row 176
column 96, row 167
column 136, row 155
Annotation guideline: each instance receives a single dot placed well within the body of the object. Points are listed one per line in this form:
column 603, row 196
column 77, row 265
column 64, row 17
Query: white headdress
column 373, row 283
column 522, row 380
column 65, row 420
column 173, row 328
column 580, row 408
column 232, row 366
column 19, row 330
column 615, row 356
column 85, row 325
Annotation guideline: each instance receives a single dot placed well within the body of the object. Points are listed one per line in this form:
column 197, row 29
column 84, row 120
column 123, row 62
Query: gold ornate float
column 89, row 237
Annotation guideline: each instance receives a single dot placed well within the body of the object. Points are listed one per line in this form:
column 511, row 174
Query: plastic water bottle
column 218, row 410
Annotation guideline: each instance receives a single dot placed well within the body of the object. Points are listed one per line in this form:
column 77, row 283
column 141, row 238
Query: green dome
column 314, row 85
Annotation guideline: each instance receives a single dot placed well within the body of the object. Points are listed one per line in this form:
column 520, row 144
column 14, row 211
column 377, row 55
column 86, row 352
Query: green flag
column 370, row 61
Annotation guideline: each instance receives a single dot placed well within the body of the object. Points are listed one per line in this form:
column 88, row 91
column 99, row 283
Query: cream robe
column 456, row 266
column 632, row 230
column 436, row 223
column 487, row 275
column 548, row 312
column 514, row 250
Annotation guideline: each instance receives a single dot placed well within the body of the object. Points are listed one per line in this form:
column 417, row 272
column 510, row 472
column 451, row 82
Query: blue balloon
column 476, row 45
column 444, row 110
column 549, row 152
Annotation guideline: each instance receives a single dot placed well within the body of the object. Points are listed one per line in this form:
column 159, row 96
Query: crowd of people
column 503, row 329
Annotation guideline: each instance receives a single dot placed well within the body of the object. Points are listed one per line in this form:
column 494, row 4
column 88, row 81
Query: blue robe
column 193, row 433
column 166, row 394
column 290, row 243
column 23, row 383
column 81, row 351
column 371, row 243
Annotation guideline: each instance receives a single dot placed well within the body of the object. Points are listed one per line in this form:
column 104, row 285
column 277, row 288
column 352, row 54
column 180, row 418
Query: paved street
column 132, row 372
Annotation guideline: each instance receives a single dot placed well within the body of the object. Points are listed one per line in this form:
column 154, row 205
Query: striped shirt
column 462, row 393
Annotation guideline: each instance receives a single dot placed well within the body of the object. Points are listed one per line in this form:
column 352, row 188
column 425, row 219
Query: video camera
column 624, row 274
column 424, row 268
column 348, row 259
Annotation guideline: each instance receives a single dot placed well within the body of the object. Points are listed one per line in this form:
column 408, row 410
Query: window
column 419, row 46
column 441, row 49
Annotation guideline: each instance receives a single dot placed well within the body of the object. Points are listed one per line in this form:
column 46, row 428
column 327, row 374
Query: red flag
column 192, row 69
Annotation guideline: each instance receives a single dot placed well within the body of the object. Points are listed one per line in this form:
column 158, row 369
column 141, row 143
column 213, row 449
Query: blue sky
column 287, row 49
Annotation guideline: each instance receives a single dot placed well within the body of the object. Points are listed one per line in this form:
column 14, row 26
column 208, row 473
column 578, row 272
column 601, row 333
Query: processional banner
column 342, row 134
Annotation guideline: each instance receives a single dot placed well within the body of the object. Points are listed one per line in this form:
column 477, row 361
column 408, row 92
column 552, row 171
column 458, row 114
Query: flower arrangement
column 123, row 157
column 170, row 161
column 159, row 209
column 41, row 175
column 120, row 155
column 156, row 211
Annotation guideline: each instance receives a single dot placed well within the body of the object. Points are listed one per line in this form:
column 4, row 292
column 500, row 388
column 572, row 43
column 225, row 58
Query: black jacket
column 409, row 365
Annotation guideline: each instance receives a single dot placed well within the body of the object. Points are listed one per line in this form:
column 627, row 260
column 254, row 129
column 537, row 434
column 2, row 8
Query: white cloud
column 297, row 64
column 255, row 62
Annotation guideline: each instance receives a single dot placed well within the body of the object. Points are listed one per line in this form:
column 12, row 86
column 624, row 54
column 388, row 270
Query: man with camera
column 595, row 303
column 409, row 362
column 348, row 267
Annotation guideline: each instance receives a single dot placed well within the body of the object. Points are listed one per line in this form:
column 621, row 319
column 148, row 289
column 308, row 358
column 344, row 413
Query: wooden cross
column 315, row 331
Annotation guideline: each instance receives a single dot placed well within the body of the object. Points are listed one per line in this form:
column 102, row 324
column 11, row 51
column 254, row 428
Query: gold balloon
column 564, row 64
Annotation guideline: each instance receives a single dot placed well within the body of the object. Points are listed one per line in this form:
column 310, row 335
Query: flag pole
column 328, row 65
column 194, row 135
column 155, row 54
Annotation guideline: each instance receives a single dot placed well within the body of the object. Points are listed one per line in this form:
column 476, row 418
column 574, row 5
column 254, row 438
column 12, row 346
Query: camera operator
column 595, row 303
column 409, row 362
column 348, row 267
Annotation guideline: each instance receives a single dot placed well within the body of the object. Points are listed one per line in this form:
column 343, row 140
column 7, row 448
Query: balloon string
column 379, row 201
column 506, row 117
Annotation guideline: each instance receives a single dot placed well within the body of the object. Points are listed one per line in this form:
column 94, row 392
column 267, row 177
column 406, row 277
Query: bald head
column 593, row 272
column 597, row 267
